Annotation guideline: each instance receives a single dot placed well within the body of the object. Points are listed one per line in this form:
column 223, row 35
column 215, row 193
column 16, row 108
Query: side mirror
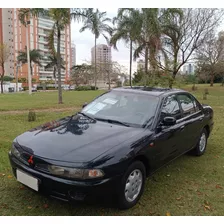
column 168, row 121
column 85, row 104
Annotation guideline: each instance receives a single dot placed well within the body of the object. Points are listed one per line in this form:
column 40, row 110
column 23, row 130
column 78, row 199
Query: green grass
column 44, row 100
column 188, row 186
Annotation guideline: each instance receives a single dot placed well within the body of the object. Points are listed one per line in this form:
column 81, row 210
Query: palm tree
column 128, row 29
column 35, row 57
column 24, row 16
column 52, row 63
column 149, row 40
column 96, row 22
column 62, row 18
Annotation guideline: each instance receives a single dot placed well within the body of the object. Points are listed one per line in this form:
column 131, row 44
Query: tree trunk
column 172, row 80
column 54, row 74
column 109, row 87
column 2, row 84
column 130, row 71
column 95, row 76
column 2, row 77
column 31, row 70
column 59, row 66
column 146, row 63
column 212, row 80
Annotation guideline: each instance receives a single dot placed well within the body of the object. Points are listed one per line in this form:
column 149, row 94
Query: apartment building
column 14, row 32
column 6, row 37
column 103, row 60
column 73, row 50
column 103, row 54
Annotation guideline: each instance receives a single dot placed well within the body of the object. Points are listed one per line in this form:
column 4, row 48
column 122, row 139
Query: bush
column 7, row 79
column 85, row 88
column 39, row 87
column 50, row 88
column 25, row 88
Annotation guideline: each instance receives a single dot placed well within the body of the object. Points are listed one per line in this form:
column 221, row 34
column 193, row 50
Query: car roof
column 153, row 91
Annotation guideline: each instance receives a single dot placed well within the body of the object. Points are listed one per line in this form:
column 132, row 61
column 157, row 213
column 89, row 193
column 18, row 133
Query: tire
column 200, row 149
column 137, row 170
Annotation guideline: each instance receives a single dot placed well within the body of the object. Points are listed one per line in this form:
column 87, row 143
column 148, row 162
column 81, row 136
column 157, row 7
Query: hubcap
column 202, row 142
column 133, row 185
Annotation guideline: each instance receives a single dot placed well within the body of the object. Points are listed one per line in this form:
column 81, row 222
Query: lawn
column 188, row 186
column 44, row 100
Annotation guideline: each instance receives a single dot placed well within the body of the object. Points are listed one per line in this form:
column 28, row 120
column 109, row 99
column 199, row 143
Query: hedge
column 85, row 88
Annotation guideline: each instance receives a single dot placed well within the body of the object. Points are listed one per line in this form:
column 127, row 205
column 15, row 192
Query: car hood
column 74, row 139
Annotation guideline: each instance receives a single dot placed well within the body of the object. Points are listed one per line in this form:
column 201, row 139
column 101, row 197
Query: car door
column 192, row 118
column 169, row 139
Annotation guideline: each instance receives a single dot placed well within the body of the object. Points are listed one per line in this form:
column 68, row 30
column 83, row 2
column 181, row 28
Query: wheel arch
column 145, row 161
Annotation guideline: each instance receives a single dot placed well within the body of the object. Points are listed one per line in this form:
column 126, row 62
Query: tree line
column 166, row 38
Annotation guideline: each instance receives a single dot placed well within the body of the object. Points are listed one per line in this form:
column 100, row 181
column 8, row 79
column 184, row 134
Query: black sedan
column 112, row 145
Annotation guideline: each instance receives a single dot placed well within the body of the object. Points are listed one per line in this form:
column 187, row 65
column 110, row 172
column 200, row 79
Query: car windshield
column 125, row 108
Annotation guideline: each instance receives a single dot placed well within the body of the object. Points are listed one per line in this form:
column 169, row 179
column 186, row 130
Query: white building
column 7, row 86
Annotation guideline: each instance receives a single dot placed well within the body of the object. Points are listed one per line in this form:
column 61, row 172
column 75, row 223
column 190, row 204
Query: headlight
column 15, row 152
column 75, row 173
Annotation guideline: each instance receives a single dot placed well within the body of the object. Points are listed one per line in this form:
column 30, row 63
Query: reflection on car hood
column 74, row 139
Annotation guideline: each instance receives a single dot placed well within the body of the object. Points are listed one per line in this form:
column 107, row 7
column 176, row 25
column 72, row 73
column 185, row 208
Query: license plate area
column 27, row 180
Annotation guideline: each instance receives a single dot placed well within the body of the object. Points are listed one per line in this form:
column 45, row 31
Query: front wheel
column 202, row 143
column 132, row 185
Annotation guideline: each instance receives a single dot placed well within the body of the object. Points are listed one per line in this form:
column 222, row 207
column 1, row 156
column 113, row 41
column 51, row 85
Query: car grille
column 39, row 164
column 42, row 167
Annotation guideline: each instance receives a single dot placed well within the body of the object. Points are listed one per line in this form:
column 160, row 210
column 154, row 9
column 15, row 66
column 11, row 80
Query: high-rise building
column 73, row 51
column 6, row 37
column 103, row 54
column 38, row 31
column 188, row 69
column 13, row 33
column 103, row 61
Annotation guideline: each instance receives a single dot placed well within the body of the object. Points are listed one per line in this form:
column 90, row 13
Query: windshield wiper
column 85, row 115
column 113, row 121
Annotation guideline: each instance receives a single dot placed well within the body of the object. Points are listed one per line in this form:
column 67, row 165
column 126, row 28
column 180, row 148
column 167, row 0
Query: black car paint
column 80, row 142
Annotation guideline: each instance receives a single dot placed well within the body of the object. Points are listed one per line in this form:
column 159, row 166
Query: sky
column 85, row 41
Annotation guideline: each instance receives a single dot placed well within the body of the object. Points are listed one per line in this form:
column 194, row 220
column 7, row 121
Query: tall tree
column 24, row 16
column 52, row 64
column 183, row 34
column 52, row 57
column 149, row 40
column 4, row 55
column 210, row 57
column 81, row 74
column 62, row 18
column 96, row 22
column 128, row 29
column 35, row 57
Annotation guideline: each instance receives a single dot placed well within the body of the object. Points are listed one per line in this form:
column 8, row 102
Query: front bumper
column 67, row 190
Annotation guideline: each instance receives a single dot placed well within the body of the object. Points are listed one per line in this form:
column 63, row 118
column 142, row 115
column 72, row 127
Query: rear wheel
column 202, row 143
column 132, row 185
